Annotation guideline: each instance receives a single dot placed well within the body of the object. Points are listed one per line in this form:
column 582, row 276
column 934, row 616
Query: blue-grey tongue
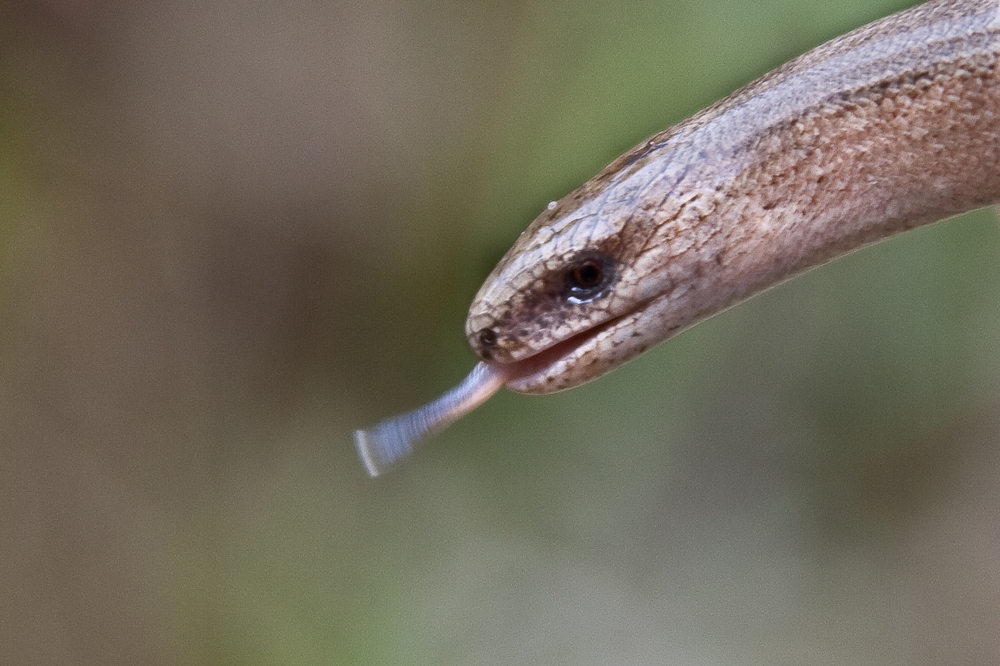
column 394, row 438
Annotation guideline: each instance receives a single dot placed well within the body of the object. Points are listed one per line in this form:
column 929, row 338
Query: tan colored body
column 891, row 126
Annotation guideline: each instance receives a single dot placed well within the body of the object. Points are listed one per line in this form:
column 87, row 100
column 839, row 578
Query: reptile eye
column 487, row 337
column 587, row 279
column 587, row 275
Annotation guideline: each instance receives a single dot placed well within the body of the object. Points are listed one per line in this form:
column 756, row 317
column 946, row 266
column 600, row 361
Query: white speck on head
column 552, row 204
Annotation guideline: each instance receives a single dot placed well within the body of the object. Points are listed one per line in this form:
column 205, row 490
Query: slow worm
column 889, row 127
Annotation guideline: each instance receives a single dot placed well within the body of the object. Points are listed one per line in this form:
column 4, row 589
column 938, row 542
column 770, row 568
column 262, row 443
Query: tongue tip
column 371, row 450
column 394, row 438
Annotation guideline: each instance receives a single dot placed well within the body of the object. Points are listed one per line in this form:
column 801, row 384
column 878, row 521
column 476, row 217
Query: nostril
column 487, row 337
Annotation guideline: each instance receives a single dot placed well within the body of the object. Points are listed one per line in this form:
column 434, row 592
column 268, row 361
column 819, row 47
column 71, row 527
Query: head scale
column 567, row 273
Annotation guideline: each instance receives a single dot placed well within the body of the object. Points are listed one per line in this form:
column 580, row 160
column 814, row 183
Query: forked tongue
column 394, row 438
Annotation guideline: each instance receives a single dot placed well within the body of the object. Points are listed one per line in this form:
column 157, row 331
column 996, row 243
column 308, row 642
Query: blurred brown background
column 231, row 232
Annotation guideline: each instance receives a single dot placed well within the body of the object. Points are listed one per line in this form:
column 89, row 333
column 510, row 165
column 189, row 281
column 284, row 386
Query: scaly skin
column 891, row 126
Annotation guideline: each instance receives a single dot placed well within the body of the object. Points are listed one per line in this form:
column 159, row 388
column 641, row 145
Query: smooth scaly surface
column 889, row 127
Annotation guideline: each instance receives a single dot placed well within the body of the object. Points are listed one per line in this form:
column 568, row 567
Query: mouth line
column 549, row 356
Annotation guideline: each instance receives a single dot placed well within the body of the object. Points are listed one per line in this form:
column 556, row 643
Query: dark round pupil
column 588, row 274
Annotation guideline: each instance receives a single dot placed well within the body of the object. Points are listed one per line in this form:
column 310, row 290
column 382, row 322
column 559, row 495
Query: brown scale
column 894, row 125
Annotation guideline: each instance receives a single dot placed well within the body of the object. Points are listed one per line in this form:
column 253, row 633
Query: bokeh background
column 231, row 232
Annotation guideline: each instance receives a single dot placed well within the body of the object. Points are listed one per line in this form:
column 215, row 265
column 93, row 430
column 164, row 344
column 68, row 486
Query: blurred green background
column 231, row 232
